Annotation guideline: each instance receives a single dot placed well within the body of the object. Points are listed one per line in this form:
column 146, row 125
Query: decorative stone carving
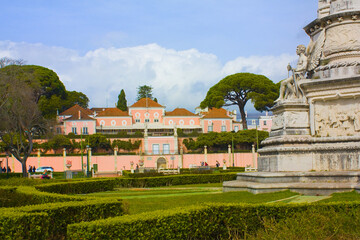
column 342, row 39
column 343, row 5
column 339, row 117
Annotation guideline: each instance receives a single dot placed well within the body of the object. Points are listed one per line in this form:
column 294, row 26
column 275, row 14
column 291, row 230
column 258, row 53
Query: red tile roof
column 146, row 102
column 83, row 116
column 180, row 112
column 74, row 110
column 216, row 113
column 112, row 112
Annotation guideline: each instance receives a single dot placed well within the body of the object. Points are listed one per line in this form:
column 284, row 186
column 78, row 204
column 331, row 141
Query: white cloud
column 178, row 78
column 273, row 67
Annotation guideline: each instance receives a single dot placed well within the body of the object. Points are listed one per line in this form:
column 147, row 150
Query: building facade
column 145, row 116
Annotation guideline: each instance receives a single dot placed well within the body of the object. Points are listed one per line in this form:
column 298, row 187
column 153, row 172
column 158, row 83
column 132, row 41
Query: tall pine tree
column 122, row 103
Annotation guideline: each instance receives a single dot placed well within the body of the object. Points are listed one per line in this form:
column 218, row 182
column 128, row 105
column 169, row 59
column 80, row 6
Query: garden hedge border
column 108, row 184
column 49, row 221
column 213, row 221
column 26, row 195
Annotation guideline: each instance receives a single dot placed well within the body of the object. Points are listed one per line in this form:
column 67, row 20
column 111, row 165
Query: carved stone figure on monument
column 289, row 88
column 356, row 118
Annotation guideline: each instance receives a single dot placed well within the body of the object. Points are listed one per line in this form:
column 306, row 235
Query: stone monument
column 315, row 135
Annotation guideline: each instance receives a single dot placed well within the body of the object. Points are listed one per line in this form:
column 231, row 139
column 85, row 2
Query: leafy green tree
column 220, row 141
column 238, row 89
column 59, row 142
column 144, row 92
column 98, row 141
column 74, row 97
column 20, row 117
column 155, row 100
column 126, row 145
column 51, row 94
column 122, row 103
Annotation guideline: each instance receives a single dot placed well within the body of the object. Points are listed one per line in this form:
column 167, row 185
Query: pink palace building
column 150, row 118
column 145, row 115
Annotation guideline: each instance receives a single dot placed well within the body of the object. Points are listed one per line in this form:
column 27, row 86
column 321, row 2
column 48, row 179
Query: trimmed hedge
column 10, row 175
column 214, row 221
column 23, row 195
column 18, row 225
column 49, row 221
column 108, row 184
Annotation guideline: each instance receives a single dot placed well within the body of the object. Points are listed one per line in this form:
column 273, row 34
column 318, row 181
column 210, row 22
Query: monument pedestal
column 308, row 183
column 314, row 144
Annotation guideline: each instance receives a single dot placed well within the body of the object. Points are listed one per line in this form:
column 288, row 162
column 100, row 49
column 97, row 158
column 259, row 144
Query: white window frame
column 166, row 148
column 156, row 149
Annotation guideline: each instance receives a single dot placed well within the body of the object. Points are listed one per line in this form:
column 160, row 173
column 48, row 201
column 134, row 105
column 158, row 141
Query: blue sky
column 179, row 47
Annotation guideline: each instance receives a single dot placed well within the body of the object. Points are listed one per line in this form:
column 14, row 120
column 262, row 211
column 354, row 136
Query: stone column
column 13, row 163
column 253, row 155
column 205, row 153
column 115, row 158
column 229, row 152
column 181, row 157
column 38, row 156
column 90, row 159
column 64, row 158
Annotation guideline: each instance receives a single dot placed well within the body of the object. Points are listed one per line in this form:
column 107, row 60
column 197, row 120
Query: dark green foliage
column 238, row 89
column 212, row 221
column 126, row 145
column 98, row 141
column 23, row 195
column 107, row 184
column 122, row 103
column 52, row 95
column 138, row 134
column 59, row 142
column 58, row 216
column 144, row 92
column 10, row 175
column 73, row 98
column 220, row 141
column 312, row 224
column 18, row 225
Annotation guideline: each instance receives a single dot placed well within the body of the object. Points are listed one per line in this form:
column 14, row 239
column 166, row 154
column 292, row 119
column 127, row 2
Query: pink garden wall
column 107, row 163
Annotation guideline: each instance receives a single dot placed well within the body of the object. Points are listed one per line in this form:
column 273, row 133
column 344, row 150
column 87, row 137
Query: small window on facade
column 156, row 120
column 58, row 130
column 166, row 148
column 210, row 128
column 264, row 122
column 155, row 149
column 236, row 128
column 253, row 122
column 73, row 130
column 223, row 128
column 85, row 130
column 147, row 120
column 137, row 120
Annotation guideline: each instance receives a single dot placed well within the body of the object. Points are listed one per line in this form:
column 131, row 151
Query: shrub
column 49, row 221
column 213, row 221
column 24, row 195
column 18, row 225
column 107, row 184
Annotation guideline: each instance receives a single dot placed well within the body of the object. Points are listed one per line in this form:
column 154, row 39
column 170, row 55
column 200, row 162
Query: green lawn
column 151, row 199
column 343, row 197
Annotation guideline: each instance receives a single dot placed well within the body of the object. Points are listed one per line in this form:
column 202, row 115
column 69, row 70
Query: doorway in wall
column 161, row 163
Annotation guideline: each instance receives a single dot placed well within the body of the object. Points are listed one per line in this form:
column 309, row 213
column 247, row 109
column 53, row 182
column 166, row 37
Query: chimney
column 79, row 114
